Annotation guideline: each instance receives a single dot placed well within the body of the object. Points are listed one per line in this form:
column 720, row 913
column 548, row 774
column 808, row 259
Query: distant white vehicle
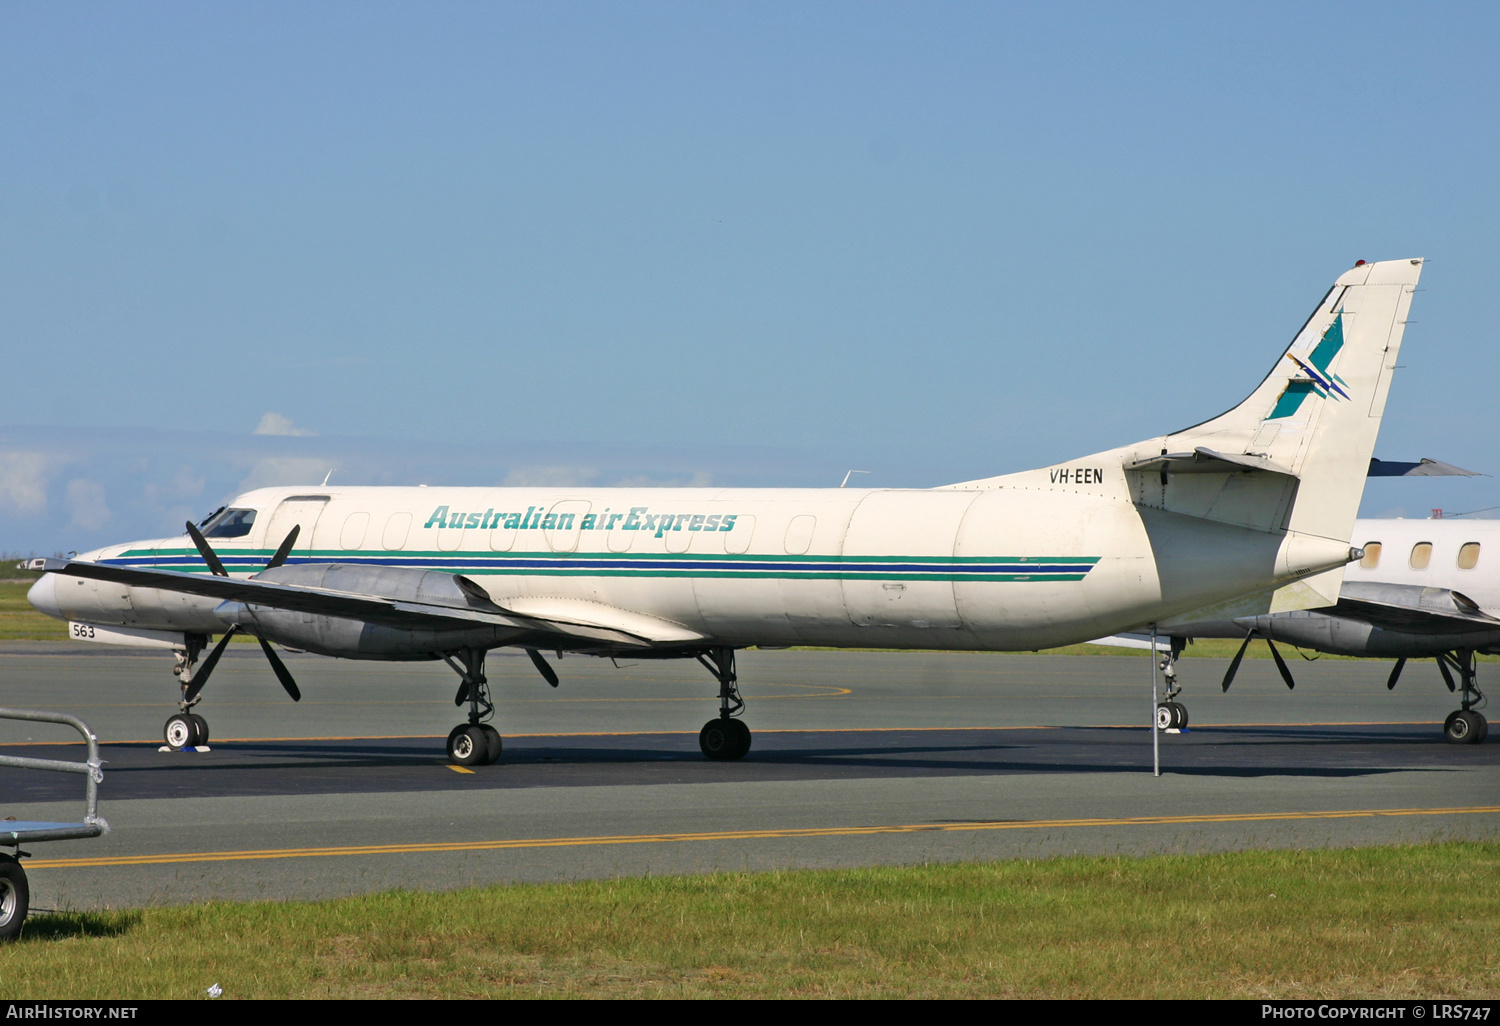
column 1262, row 497
column 1422, row 589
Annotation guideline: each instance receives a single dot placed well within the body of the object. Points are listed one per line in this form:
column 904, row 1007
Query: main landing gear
column 726, row 737
column 474, row 743
column 1465, row 726
column 187, row 729
column 1171, row 715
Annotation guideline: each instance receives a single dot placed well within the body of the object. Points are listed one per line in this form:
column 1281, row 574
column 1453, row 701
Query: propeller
column 1286, row 674
column 547, row 672
column 1390, row 684
column 1234, row 664
column 1442, row 662
column 277, row 666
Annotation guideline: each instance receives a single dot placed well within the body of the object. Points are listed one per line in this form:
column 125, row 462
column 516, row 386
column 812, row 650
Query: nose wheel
column 186, row 730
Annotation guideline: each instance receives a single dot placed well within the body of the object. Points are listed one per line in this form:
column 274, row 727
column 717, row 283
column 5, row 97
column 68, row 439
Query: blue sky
column 729, row 243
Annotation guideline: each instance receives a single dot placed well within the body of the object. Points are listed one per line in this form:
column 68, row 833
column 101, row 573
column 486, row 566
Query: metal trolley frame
column 15, row 893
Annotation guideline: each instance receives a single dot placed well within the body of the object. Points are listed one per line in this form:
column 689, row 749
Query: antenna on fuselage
column 848, row 475
column 327, row 476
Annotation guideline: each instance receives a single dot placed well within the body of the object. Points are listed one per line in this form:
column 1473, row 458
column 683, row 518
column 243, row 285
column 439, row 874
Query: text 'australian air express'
column 1256, row 504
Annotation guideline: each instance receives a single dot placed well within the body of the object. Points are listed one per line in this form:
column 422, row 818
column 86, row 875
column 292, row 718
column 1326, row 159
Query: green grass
column 18, row 621
column 1419, row 921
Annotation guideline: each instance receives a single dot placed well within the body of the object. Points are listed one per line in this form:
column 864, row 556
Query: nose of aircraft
column 43, row 596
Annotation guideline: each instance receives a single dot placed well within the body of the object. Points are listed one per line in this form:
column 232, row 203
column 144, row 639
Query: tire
column 1460, row 728
column 718, row 740
column 1484, row 727
column 180, row 731
column 496, row 746
column 1182, row 716
column 15, row 898
column 202, row 725
column 742, row 738
column 1166, row 719
column 468, row 746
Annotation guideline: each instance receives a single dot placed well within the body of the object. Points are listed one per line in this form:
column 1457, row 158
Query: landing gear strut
column 474, row 743
column 1465, row 726
column 726, row 737
column 1171, row 715
column 187, row 729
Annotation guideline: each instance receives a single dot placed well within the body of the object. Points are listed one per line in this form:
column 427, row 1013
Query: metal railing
column 93, row 825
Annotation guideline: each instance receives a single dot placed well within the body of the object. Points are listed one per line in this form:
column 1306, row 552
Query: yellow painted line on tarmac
column 736, row 835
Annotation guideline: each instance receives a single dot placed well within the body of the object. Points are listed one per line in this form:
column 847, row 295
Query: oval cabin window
column 1421, row 555
column 1468, row 556
column 1371, row 557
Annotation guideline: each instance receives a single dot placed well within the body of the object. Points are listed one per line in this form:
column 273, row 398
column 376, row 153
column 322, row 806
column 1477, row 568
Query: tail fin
column 1294, row 455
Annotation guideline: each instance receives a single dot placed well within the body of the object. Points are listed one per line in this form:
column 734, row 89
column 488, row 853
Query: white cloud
column 276, row 424
column 23, row 482
column 86, row 499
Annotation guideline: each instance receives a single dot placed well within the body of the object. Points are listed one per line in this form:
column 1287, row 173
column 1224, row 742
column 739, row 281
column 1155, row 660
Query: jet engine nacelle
column 357, row 639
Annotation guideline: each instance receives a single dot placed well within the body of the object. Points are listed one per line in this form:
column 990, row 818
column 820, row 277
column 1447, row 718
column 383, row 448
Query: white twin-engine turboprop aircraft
column 1262, row 497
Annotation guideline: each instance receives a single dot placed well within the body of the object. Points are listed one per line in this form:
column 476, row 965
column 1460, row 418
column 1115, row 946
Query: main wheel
column 180, row 731
column 201, row 736
column 1465, row 728
column 720, row 739
column 496, row 746
column 1166, row 719
column 1182, row 715
column 468, row 746
column 742, row 738
column 15, row 897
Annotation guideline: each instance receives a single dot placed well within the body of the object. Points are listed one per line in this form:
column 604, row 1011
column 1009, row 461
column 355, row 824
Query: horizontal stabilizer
column 1422, row 468
column 1205, row 461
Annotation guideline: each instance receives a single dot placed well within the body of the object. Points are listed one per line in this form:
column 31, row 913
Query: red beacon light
column 1359, row 263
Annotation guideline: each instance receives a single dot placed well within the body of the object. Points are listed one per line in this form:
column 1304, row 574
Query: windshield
column 229, row 523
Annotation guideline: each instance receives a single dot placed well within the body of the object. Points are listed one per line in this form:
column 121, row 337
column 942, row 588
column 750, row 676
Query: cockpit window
column 229, row 523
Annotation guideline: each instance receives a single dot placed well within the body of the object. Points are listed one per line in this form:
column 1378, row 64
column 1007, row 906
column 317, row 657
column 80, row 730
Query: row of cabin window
column 1421, row 555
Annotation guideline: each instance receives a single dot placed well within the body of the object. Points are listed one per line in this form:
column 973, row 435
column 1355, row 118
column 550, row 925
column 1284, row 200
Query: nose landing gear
column 187, row 729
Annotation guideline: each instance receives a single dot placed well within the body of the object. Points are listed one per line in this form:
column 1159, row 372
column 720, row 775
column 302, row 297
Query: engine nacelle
column 1339, row 636
column 356, row 639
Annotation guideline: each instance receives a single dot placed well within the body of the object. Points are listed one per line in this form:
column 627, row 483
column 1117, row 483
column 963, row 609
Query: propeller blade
column 547, row 672
column 201, row 677
column 285, row 548
column 1286, row 674
column 206, row 551
column 1442, row 662
column 1390, row 684
column 1234, row 665
column 282, row 674
column 463, row 693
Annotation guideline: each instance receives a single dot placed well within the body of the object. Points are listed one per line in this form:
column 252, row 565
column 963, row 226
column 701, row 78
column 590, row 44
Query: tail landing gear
column 726, row 737
column 473, row 743
column 1465, row 726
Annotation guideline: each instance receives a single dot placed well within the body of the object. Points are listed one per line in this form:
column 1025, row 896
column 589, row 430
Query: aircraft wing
column 530, row 629
column 1411, row 608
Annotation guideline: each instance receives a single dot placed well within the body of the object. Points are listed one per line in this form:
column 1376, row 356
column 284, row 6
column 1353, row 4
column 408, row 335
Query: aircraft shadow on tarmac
column 413, row 764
